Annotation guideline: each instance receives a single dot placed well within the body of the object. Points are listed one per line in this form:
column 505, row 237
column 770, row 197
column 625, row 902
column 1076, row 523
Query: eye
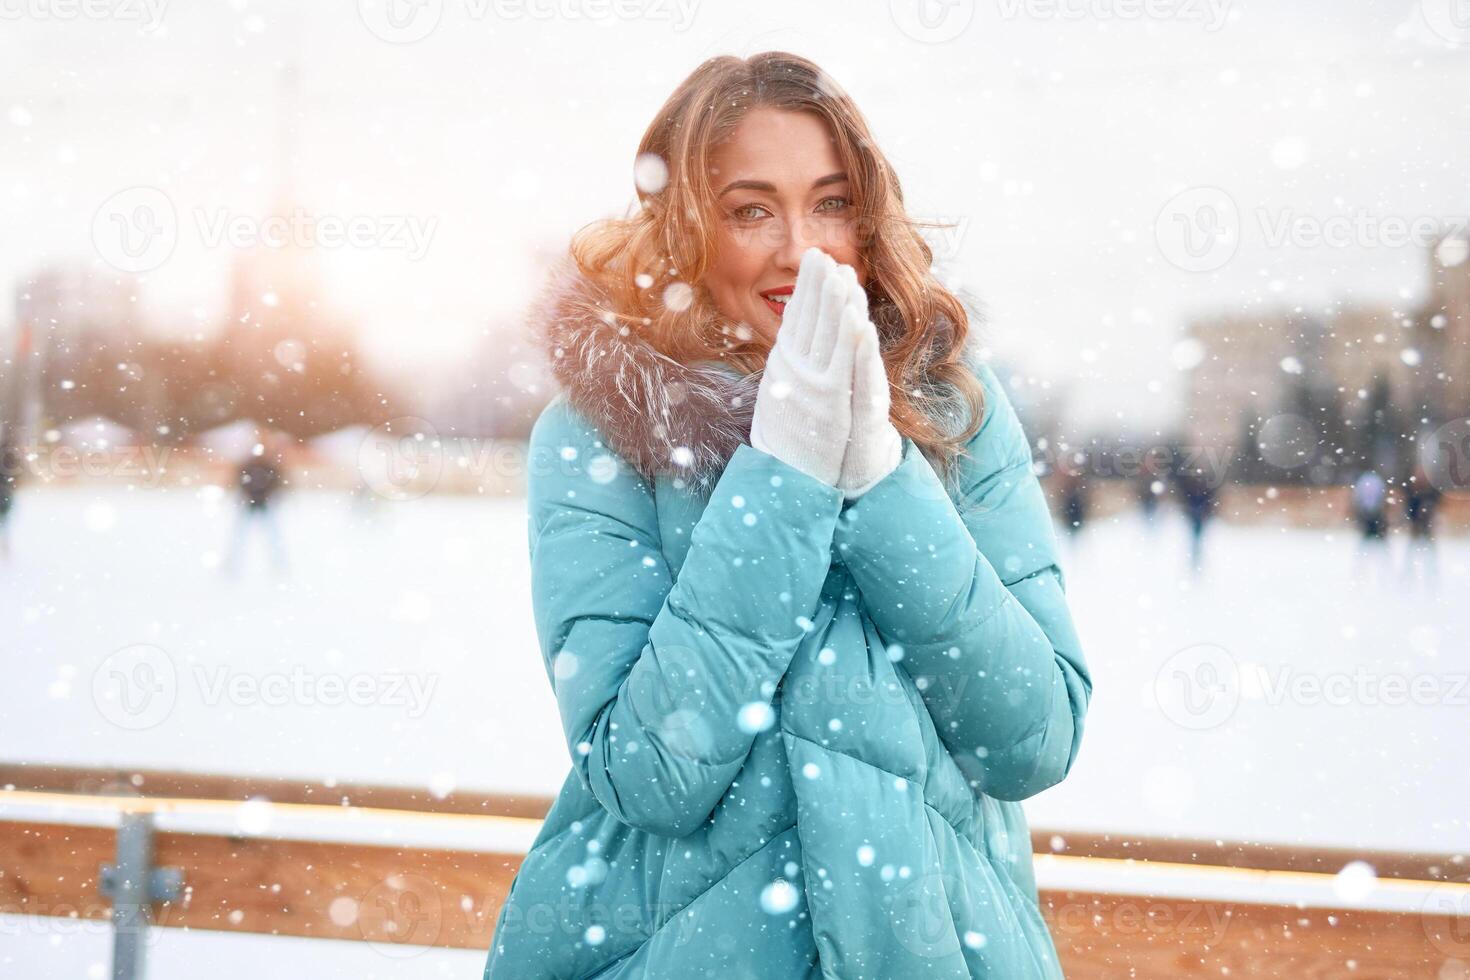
column 736, row 213
column 842, row 203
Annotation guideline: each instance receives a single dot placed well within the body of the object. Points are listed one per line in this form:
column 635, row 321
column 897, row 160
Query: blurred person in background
column 1370, row 510
column 9, row 483
column 1199, row 499
column 1149, row 486
column 1421, row 504
column 771, row 412
column 260, row 477
column 1072, row 488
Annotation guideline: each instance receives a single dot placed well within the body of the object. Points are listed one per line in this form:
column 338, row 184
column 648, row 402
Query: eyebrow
column 769, row 188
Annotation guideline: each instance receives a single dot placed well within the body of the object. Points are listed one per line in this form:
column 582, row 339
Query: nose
column 800, row 233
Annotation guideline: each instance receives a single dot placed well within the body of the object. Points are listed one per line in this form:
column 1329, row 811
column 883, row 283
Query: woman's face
column 780, row 189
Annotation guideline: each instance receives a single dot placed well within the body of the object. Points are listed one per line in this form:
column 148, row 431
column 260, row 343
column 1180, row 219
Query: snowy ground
column 1274, row 698
column 56, row 949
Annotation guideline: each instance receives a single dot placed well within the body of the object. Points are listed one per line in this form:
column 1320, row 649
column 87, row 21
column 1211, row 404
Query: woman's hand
column 803, row 408
column 874, row 447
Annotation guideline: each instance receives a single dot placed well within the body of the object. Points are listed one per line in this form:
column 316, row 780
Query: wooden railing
column 1117, row 906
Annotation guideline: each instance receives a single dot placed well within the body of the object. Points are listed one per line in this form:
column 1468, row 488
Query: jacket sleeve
column 651, row 674
column 976, row 604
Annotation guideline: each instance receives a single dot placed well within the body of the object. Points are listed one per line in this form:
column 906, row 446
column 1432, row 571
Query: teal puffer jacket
column 799, row 728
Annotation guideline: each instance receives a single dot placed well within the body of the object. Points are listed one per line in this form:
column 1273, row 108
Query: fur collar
column 662, row 416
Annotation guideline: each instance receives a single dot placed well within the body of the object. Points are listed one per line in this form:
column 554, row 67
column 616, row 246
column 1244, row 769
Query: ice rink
column 1277, row 697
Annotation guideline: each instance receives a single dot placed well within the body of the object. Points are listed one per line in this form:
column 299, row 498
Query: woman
column 805, row 676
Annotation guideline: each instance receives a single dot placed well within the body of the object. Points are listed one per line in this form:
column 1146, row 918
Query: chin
column 770, row 325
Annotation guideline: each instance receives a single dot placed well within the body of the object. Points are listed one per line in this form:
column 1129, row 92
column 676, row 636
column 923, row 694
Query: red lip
column 777, row 308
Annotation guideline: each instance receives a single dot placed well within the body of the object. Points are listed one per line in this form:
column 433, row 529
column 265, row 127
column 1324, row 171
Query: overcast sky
column 1056, row 133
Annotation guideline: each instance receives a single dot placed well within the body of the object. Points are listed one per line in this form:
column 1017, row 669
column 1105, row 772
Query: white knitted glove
column 803, row 408
column 874, row 448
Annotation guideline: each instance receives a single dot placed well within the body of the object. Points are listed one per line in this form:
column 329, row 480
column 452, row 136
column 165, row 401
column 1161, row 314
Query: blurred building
column 1447, row 317
column 286, row 358
column 64, row 314
column 1354, row 385
column 501, row 386
column 70, row 307
column 1247, row 370
column 13, row 351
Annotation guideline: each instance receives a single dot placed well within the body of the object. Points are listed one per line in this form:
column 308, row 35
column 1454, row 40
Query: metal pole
column 134, row 885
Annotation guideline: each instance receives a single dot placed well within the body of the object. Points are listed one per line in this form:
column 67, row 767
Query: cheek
column 734, row 273
column 854, row 258
column 725, row 289
column 848, row 252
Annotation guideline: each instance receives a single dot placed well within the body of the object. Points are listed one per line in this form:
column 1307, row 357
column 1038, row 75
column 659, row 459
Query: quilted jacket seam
column 924, row 785
column 979, row 847
column 707, row 889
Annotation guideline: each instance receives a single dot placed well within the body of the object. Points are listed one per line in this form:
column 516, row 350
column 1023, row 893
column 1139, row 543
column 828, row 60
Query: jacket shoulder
column 568, row 461
column 558, row 424
column 561, row 430
column 1000, row 442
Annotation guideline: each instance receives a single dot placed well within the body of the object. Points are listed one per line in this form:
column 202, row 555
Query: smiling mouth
column 776, row 299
